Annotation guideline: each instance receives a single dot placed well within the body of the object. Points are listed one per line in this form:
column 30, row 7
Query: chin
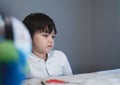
column 48, row 51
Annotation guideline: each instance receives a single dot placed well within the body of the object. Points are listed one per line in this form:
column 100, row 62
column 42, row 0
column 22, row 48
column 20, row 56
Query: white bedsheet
column 108, row 77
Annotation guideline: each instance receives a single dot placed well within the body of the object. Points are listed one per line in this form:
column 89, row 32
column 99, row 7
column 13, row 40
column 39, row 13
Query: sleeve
column 66, row 67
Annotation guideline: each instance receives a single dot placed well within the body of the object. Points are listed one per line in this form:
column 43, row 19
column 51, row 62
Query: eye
column 45, row 35
column 53, row 36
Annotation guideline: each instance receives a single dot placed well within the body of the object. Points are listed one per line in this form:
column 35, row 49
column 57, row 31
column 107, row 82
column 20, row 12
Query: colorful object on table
column 12, row 64
column 15, row 45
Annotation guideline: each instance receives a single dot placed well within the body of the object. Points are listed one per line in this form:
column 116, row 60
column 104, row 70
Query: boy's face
column 43, row 42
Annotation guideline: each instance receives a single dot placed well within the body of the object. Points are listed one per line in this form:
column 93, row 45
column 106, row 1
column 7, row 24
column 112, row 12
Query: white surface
column 22, row 38
column 109, row 77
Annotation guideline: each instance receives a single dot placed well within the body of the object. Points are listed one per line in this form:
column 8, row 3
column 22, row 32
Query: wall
column 106, row 34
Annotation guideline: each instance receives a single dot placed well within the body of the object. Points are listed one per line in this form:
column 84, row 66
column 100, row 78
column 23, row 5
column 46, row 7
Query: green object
column 7, row 48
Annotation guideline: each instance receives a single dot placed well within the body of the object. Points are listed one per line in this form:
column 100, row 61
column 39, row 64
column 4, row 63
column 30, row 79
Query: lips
column 50, row 46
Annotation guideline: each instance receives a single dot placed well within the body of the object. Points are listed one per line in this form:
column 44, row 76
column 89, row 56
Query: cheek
column 35, row 42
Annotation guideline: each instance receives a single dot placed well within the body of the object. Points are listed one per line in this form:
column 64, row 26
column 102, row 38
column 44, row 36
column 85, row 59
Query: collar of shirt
column 37, row 59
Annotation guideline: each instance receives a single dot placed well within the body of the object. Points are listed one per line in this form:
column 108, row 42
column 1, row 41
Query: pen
column 42, row 83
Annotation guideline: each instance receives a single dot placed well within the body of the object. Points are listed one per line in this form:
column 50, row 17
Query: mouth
column 49, row 46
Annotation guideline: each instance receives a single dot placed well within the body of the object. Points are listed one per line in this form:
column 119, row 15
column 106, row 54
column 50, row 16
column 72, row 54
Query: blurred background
column 88, row 30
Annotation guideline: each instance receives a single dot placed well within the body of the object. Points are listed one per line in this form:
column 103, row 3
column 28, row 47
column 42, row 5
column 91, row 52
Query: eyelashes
column 53, row 36
column 47, row 35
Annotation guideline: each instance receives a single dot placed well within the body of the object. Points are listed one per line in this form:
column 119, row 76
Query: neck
column 40, row 55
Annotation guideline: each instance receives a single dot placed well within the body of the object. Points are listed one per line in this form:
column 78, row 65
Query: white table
column 108, row 77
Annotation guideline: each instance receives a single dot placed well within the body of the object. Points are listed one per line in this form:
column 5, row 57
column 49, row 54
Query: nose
column 51, row 39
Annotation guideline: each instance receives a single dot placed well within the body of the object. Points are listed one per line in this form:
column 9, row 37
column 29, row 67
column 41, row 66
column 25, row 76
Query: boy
column 43, row 61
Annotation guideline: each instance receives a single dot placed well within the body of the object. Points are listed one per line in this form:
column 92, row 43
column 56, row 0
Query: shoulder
column 57, row 52
column 58, row 56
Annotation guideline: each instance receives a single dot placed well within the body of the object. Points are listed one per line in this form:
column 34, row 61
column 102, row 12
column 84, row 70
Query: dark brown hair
column 39, row 22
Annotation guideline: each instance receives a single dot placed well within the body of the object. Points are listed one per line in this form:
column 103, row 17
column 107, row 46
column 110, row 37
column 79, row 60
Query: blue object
column 12, row 64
